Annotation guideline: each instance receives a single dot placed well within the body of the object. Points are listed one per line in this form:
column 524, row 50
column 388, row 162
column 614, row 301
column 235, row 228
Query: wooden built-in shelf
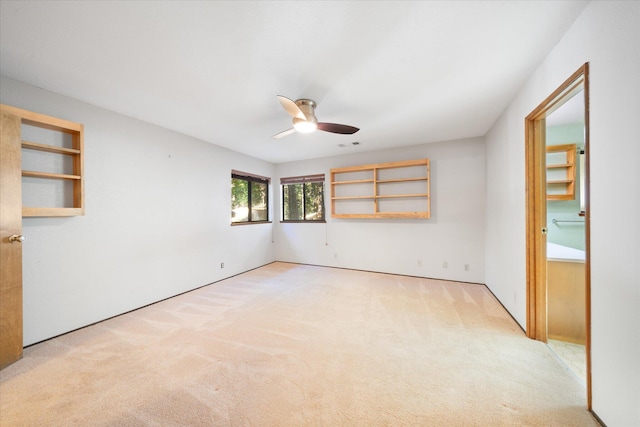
column 74, row 153
column 404, row 186
column 567, row 152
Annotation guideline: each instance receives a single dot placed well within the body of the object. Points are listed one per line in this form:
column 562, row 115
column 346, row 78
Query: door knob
column 17, row 238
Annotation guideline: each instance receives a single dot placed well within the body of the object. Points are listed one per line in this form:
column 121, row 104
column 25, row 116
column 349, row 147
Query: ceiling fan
column 305, row 121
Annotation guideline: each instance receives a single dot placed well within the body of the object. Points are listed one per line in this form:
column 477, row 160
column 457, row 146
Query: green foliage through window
column 303, row 198
column 249, row 199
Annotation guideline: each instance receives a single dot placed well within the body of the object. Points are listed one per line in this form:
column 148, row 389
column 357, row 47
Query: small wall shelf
column 561, row 172
column 72, row 155
column 383, row 190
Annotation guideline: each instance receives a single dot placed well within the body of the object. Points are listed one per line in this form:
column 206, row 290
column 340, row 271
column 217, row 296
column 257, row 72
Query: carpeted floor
column 296, row 345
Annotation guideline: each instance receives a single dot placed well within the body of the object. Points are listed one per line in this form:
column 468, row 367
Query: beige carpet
column 295, row 345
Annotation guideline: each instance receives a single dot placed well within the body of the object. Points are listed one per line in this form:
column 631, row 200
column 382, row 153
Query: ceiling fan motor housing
column 309, row 124
column 308, row 107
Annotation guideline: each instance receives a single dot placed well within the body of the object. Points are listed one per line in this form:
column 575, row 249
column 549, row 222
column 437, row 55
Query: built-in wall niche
column 52, row 165
column 383, row 190
column 43, row 191
column 561, row 172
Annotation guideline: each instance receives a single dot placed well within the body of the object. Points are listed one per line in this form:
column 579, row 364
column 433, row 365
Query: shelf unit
column 74, row 153
column 383, row 190
column 561, row 172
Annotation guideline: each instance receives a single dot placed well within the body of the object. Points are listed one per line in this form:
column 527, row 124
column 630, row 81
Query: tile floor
column 573, row 355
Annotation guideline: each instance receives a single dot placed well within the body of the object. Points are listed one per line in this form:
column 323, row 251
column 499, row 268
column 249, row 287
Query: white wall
column 454, row 233
column 157, row 220
column 607, row 35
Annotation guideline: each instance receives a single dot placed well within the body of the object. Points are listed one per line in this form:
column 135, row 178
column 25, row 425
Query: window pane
column 314, row 201
column 292, row 196
column 239, row 200
column 259, row 211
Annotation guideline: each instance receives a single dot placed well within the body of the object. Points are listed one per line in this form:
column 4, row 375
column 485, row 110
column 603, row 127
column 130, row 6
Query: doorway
column 558, row 287
column 566, row 332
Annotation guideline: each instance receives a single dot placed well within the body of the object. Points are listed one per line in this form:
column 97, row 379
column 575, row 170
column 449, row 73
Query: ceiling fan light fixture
column 305, row 126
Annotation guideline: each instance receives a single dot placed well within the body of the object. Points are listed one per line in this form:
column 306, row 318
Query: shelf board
column 48, row 175
column 384, row 181
column 49, row 148
column 560, row 197
column 389, row 165
column 559, row 166
column 45, row 122
column 31, row 212
column 560, row 181
column 395, row 196
column 390, row 196
column 355, row 181
column 385, row 215
column 352, row 197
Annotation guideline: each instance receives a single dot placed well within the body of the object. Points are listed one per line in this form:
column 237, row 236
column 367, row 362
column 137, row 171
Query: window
column 249, row 198
column 303, row 198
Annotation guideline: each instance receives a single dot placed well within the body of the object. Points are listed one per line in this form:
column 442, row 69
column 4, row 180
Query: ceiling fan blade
column 284, row 133
column 336, row 128
column 291, row 107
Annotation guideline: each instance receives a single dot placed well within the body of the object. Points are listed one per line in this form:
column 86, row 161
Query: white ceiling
column 403, row 72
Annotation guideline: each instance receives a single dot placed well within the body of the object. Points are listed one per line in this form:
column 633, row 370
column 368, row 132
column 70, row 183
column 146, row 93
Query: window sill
column 250, row 223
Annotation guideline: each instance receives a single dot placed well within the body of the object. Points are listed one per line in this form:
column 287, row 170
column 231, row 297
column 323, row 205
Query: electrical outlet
column 466, row 267
column 419, row 263
column 445, row 264
column 222, row 265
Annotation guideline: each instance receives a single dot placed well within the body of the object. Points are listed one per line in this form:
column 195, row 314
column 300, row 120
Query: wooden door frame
column 536, row 190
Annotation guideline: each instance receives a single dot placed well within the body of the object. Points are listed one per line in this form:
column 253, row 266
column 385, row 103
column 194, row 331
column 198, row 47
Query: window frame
column 304, row 180
column 252, row 178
